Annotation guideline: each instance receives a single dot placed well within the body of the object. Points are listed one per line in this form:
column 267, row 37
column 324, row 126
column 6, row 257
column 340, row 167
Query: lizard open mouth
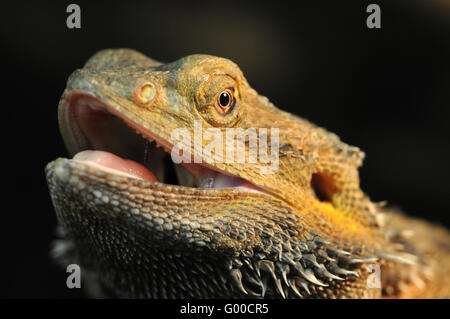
column 103, row 139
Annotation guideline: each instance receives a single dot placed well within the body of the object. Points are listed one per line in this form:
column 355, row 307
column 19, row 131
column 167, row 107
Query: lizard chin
column 102, row 139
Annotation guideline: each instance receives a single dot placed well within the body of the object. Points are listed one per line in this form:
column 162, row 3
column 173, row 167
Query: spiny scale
column 282, row 274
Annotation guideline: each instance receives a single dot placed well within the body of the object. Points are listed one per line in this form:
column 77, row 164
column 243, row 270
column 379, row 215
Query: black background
column 386, row 91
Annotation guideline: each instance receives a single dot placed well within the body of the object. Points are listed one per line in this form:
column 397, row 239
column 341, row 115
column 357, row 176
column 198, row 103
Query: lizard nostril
column 323, row 186
column 146, row 93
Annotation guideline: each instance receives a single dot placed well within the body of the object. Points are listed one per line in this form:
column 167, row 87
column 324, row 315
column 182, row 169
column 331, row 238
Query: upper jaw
column 87, row 123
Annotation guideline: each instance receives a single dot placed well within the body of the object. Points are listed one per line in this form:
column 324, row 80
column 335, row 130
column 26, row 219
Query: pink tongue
column 111, row 163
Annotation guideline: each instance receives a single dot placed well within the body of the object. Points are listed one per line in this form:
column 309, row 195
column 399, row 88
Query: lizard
column 141, row 225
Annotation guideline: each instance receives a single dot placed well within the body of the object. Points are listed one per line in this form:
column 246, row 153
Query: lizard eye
column 219, row 102
column 225, row 101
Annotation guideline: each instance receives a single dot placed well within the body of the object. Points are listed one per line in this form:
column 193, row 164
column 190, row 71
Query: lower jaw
column 112, row 164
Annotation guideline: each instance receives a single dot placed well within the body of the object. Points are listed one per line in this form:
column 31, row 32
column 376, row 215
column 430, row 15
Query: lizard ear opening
column 323, row 186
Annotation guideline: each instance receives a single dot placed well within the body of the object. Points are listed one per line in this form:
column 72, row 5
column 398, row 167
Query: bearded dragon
column 142, row 226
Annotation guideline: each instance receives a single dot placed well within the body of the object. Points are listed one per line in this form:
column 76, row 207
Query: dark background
column 386, row 91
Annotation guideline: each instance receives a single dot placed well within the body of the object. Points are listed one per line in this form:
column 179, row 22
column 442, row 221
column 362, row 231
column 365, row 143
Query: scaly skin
column 309, row 231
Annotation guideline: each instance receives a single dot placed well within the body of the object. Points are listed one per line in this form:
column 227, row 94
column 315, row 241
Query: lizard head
column 156, row 204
